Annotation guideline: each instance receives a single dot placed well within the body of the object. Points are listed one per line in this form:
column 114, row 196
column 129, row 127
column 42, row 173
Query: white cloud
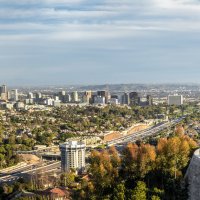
column 109, row 19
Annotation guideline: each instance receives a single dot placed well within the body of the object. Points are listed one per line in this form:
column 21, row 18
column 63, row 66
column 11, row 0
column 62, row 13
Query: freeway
column 152, row 131
column 45, row 167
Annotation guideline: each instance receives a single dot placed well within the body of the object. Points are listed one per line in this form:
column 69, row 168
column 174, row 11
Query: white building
column 72, row 156
column 175, row 100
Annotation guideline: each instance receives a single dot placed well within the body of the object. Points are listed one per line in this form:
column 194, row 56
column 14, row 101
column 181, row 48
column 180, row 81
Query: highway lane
column 145, row 133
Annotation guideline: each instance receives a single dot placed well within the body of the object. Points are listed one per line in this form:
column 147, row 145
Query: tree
column 154, row 197
column 173, row 154
column 104, row 170
column 179, row 131
column 139, row 160
column 119, row 192
column 146, row 159
column 157, row 194
column 139, row 192
column 67, row 179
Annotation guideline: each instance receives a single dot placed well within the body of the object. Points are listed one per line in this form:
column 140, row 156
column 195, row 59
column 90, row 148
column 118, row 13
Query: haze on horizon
column 48, row 42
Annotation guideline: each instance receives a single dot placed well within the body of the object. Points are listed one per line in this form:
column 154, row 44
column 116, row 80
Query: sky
column 54, row 42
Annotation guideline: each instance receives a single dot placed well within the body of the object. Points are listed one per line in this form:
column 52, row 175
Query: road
column 152, row 131
column 24, row 171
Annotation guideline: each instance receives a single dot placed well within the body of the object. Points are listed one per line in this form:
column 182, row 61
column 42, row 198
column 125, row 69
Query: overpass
column 28, row 170
column 38, row 151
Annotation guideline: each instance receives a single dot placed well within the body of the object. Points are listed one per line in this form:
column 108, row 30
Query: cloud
column 90, row 21
column 119, row 36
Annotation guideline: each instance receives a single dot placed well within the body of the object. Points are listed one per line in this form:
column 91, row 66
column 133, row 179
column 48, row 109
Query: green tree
column 67, row 179
column 173, row 154
column 119, row 192
column 154, row 197
column 139, row 192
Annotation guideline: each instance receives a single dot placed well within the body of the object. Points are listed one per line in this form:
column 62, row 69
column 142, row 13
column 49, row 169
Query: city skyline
column 82, row 42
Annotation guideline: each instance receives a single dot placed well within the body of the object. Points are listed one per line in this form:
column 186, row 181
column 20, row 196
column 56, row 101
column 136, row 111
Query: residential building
column 73, row 156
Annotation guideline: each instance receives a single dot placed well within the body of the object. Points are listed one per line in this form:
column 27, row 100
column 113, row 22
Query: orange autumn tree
column 139, row 160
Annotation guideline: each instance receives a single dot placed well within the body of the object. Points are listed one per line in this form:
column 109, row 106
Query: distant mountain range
column 118, row 87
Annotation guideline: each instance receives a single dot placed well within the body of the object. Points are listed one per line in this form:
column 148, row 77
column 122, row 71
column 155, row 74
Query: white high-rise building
column 175, row 100
column 72, row 156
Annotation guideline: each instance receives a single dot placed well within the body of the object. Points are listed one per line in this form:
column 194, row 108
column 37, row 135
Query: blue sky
column 46, row 42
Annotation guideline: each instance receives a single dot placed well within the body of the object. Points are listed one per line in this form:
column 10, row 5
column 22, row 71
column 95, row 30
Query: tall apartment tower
column 72, row 156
